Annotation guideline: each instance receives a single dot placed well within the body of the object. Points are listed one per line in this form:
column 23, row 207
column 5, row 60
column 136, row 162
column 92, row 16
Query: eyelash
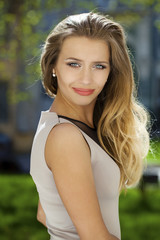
column 76, row 65
column 73, row 64
column 100, row 66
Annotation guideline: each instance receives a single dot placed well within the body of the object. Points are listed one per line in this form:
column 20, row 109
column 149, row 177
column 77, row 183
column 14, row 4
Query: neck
column 81, row 113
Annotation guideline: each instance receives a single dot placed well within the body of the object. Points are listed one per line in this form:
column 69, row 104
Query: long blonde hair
column 121, row 121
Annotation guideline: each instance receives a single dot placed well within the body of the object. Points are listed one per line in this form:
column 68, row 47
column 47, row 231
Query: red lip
column 83, row 91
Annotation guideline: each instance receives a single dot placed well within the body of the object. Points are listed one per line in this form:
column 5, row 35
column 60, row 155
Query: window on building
column 3, row 101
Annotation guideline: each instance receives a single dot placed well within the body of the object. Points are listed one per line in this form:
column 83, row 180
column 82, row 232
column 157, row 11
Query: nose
column 86, row 76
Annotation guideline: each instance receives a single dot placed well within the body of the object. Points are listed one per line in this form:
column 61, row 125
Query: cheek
column 65, row 76
column 61, row 78
column 102, row 81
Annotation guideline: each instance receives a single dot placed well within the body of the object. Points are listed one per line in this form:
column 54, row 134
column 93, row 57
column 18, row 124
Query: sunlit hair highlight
column 120, row 120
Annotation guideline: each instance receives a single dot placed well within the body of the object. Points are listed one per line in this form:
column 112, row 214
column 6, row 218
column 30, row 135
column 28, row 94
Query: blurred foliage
column 18, row 201
column 90, row 5
column 143, row 4
column 154, row 153
column 139, row 213
column 134, row 10
column 22, row 31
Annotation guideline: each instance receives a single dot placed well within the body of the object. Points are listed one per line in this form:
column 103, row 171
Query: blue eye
column 73, row 64
column 99, row 66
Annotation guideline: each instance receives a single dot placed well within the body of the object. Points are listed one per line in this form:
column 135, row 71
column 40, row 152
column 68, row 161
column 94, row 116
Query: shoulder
column 65, row 140
column 65, row 133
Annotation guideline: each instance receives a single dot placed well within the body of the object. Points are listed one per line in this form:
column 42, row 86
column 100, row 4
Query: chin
column 85, row 102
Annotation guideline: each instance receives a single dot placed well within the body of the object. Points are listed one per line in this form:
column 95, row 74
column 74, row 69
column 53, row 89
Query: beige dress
column 106, row 175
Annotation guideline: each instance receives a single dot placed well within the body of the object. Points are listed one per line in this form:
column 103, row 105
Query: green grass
column 139, row 213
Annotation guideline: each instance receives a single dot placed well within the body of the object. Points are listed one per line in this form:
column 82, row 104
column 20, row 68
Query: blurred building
column 19, row 120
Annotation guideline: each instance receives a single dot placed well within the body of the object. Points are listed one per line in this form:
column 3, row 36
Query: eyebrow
column 79, row 60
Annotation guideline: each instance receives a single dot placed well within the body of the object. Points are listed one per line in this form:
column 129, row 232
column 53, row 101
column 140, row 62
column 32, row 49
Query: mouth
column 83, row 91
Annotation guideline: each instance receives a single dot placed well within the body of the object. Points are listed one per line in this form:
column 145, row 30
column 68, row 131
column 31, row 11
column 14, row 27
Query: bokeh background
column 24, row 25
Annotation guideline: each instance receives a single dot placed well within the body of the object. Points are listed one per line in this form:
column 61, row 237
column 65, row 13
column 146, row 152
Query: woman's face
column 82, row 69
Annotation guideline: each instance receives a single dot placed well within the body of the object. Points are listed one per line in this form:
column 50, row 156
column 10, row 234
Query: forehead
column 84, row 48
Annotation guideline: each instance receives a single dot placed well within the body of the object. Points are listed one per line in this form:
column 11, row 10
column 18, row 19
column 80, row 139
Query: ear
column 53, row 71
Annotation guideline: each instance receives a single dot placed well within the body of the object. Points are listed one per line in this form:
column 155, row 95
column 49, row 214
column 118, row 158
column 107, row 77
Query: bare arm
column 41, row 217
column 74, row 180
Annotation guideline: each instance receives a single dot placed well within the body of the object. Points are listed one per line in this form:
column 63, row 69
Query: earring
column 54, row 75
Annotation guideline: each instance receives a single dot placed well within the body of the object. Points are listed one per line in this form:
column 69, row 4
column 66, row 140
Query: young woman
column 92, row 141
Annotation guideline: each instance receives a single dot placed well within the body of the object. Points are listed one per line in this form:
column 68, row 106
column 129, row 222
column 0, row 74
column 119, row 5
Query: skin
column 41, row 217
column 72, row 167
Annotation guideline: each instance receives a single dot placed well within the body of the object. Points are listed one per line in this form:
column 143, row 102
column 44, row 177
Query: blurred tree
column 21, row 32
column 134, row 10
